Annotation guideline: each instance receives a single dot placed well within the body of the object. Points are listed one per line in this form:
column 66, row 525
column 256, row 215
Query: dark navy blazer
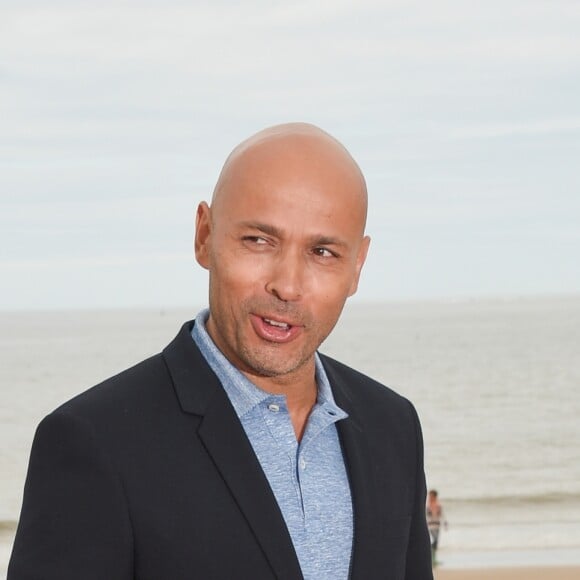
column 150, row 476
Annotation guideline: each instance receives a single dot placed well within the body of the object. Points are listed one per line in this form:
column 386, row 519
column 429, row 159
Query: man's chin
column 275, row 367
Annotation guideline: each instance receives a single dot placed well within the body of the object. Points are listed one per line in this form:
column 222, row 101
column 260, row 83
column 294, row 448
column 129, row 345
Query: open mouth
column 277, row 323
column 272, row 330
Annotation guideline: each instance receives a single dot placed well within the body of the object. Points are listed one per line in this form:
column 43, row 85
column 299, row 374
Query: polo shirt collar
column 244, row 394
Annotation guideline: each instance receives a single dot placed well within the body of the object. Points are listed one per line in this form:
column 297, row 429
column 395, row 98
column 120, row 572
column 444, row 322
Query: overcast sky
column 115, row 119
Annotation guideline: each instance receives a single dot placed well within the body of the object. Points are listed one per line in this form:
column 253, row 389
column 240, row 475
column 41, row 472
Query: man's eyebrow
column 328, row 241
column 264, row 228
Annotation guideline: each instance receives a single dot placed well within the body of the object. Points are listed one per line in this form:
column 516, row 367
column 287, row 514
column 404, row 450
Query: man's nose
column 286, row 277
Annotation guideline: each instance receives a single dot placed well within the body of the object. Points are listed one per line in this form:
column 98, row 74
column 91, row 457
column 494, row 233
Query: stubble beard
column 277, row 360
column 271, row 361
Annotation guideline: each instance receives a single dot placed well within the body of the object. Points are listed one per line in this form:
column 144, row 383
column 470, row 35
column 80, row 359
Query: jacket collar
column 200, row 393
column 359, row 465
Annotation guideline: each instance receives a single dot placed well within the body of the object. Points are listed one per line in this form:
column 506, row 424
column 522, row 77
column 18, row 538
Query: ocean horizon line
column 354, row 301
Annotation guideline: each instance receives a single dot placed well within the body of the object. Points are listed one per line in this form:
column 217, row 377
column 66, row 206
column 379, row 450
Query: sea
column 496, row 383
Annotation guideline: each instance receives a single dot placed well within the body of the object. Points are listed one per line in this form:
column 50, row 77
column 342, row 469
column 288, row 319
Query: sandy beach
column 511, row 573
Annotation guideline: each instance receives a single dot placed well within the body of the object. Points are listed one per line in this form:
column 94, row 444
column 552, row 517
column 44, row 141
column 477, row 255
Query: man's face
column 284, row 246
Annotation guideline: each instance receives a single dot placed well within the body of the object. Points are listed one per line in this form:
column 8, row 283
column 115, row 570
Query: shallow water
column 496, row 384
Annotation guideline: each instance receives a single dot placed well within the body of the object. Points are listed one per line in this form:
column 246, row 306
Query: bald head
column 284, row 244
column 292, row 153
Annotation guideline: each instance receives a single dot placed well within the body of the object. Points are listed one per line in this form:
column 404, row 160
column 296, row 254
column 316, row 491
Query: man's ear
column 202, row 234
column 360, row 260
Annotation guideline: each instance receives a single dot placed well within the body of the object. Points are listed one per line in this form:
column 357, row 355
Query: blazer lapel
column 223, row 436
column 363, row 485
column 226, row 442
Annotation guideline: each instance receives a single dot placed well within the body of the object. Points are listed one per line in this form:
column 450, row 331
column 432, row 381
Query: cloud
column 115, row 114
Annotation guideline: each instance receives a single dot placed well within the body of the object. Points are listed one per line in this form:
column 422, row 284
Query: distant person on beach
column 435, row 519
column 240, row 452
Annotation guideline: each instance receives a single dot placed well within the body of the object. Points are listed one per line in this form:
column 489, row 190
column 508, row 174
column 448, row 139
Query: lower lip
column 274, row 333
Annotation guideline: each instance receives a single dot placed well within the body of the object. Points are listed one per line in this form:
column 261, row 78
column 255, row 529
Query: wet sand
column 511, row 573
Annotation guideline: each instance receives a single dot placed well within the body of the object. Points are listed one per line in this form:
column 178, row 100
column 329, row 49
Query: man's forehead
column 295, row 166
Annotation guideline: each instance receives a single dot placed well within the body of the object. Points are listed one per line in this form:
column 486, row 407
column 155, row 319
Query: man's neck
column 301, row 394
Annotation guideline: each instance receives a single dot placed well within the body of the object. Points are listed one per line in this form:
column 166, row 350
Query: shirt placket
column 277, row 418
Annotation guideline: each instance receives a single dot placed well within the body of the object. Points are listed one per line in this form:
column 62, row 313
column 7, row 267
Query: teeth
column 276, row 323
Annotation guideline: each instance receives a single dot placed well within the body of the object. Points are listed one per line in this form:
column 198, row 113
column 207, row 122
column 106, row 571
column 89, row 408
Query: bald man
column 239, row 451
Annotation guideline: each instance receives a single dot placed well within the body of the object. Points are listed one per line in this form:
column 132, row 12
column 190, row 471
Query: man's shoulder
column 359, row 384
column 381, row 412
column 138, row 382
column 113, row 417
column 145, row 384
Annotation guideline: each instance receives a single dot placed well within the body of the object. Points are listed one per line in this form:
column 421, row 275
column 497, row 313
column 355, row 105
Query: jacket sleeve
column 74, row 521
column 419, row 549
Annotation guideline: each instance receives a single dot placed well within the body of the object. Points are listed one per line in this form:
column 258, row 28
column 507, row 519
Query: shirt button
column 302, row 464
column 273, row 407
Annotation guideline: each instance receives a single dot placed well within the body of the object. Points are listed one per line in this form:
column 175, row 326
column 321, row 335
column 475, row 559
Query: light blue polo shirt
column 309, row 478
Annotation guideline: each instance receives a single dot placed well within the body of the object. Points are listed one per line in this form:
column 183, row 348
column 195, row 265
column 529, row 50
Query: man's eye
column 324, row 253
column 255, row 240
